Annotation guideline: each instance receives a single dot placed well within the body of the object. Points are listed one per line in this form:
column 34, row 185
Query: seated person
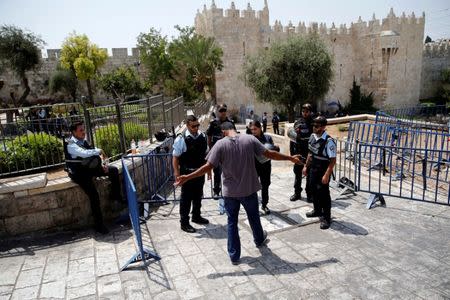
column 85, row 163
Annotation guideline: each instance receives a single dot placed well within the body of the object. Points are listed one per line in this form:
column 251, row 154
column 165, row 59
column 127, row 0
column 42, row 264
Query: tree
column 197, row 55
column 154, row 56
column 122, row 82
column 445, row 88
column 359, row 102
column 83, row 58
column 291, row 72
column 184, row 66
column 64, row 80
column 19, row 52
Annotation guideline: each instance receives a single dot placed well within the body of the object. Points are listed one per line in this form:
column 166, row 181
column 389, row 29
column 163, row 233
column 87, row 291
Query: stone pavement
column 396, row 252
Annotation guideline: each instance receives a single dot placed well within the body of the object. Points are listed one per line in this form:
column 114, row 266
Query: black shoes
column 200, row 220
column 295, row 197
column 312, row 214
column 235, row 262
column 101, row 228
column 188, row 228
column 264, row 242
column 266, row 210
column 324, row 224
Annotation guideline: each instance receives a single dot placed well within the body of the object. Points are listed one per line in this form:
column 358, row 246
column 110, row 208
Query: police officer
column 264, row 122
column 263, row 164
column 83, row 164
column 275, row 123
column 214, row 133
column 320, row 162
column 189, row 151
column 303, row 129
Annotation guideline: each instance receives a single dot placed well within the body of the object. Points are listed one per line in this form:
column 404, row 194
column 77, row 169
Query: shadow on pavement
column 277, row 265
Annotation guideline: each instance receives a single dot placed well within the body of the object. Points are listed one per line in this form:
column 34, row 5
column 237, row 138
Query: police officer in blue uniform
column 83, row 164
column 303, row 129
column 214, row 133
column 189, row 152
column 320, row 162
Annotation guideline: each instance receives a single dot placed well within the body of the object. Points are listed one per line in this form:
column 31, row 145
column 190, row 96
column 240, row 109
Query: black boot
column 295, row 197
column 187, row 228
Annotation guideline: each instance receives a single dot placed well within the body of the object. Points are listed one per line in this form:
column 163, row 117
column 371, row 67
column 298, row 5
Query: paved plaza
column 396, row 252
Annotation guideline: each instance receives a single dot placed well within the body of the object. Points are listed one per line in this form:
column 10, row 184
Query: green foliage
column 360, row 102
column 32, row 150
column 197, row 56
column 64, row 80
column 184, row 66
column 153, row 53
column 83, row 58
column 122, row 82
column 107, row 138
column 20, row 52
column 296, row 71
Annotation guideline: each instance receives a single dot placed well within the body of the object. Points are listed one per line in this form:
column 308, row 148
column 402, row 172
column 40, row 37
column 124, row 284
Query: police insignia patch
column 332, row 148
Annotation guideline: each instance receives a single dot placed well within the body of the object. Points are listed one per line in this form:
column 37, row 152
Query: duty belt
column 320, row 158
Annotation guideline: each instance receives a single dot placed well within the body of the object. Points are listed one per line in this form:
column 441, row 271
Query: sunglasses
column 223, row 110
column 317, row 126
column 195, row 126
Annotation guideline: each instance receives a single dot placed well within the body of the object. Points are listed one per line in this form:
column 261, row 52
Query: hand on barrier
column 209, row 175
column 180, row 180
column 305, row 171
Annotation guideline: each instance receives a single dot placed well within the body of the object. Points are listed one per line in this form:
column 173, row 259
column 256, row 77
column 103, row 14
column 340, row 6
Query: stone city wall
column 436, row 57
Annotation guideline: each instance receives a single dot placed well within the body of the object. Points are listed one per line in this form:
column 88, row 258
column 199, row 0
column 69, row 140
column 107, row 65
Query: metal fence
column 31, row 138
column 422, row 174
column 429, row 117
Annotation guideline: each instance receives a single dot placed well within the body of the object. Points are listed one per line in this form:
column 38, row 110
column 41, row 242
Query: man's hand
column 305, row 171
column 325, row 179
column 180, row 180
column 296, row 159
column 209, row 175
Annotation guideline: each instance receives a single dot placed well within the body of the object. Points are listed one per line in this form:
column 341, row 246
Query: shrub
column 30, row 151
column 342, row 128
column 107, row 138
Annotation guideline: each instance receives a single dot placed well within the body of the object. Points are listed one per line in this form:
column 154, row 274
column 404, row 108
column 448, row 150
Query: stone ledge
column 22, row 183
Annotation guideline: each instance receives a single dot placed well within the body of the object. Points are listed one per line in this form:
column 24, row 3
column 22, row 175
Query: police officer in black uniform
column 189, row 152
column 320, row 162
column 303, row 129
column 83, row 163
column 263, row 164
column 214, row 133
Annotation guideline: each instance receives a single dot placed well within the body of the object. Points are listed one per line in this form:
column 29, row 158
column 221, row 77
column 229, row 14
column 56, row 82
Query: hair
column 75, row 125
column 191, row 118
column 255, row 123
column 320, row 120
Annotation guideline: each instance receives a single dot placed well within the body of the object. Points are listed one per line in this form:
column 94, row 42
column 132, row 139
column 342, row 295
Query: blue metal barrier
column 435, row 117
column 400, row 144
column 143, row 254
column 422, row 175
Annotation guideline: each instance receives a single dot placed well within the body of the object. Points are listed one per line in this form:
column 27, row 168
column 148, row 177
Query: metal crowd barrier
column 398, row 143
column 143, row 254
column 433, row 117
column 413, row 173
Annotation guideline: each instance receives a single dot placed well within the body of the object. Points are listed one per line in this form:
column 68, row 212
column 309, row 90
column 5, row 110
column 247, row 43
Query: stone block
column 28, row 223
column 28, row 205
column 8, row 205
column 20, row 194
column 10, row 185
column 54, row 185
column 62, row 216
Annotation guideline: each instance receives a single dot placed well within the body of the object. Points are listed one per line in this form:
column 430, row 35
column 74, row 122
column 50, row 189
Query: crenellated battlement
column 390, row 22
column 119, row 53
column 440, row 48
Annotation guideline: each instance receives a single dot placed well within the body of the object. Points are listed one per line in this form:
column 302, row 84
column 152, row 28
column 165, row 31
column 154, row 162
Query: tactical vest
column 194, row 157
column 74, row 165
column 304, row 129
column 317, row 147
column 215, row 131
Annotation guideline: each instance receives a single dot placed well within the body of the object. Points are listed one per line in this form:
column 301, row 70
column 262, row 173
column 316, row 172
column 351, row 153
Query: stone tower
column 384, row 56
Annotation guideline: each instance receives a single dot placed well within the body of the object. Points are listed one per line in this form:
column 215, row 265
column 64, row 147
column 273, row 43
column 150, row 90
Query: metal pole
column 164, row 111
column 149, row 120
column 123, row 142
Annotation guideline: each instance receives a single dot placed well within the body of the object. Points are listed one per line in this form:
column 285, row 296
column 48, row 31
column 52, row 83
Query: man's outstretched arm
column 180, row 180
column 279, row 156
